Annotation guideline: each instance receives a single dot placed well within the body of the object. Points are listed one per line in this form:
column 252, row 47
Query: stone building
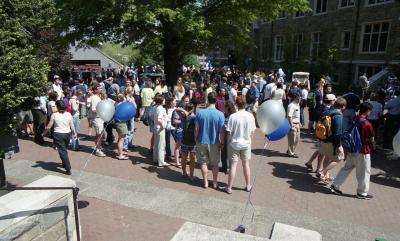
column 344, row 38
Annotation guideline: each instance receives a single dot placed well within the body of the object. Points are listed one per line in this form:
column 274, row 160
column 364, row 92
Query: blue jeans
column 302, row 116
column 129, row 137
column 76, row 122
column 168, row 134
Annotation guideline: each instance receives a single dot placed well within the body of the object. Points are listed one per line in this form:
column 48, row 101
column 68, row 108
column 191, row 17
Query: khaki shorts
column 236, row 155
column 122, row 128
column 326, row 149
column 208, row 154
column 98, row 125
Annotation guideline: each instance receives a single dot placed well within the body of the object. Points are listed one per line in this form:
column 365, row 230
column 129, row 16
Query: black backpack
column 250, row 96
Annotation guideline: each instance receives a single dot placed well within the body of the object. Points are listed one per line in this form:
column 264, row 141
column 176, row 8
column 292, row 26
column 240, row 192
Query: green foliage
column 128, row 54
column 23, row 75
column 192, row 59
column 175, row 27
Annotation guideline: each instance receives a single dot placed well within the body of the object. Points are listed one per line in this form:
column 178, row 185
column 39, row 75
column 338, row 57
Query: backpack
column 323, row 128
column 68, row 107
column 250, row 96
column 311, row 100
column 351, row 138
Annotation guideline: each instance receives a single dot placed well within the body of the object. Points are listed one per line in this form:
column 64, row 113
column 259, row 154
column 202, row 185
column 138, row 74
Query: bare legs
column 204, row 173
column 120, row 146
column 185, row 157
column 232, row 174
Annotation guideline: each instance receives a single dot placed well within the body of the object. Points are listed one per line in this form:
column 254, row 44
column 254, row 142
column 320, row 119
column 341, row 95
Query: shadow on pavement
column 270, row 153
column 385, row 180
column 83, row 204
column 50, row 166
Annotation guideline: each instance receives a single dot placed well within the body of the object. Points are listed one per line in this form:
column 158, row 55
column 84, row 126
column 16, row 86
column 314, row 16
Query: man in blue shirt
column 209, row 132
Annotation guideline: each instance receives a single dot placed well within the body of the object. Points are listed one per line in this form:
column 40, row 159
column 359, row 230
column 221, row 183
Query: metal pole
column 75, row 192
column 2, row 173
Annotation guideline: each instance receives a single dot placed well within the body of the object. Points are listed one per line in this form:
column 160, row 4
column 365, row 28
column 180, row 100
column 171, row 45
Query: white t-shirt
column 179, row 95
column 50, row 105
column 377, row 110
column 160, row 115
column 232, row 95
column 241, row 125
column 95, row 100
column 244, row 90
column 169, row 118
column 304, row 94
column 62, row 122
column 278, row 94
column 58, row 89
column 293, row 111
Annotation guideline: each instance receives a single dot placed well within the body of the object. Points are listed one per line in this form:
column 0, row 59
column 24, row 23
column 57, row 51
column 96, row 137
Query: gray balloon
column 105, row 110
column 270, row 116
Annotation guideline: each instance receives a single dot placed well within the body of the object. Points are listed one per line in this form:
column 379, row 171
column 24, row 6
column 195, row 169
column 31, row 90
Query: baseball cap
column 56, row 77
column 330, row 97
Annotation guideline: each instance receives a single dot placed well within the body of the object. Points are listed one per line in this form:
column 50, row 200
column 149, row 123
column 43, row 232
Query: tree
column 175, row 27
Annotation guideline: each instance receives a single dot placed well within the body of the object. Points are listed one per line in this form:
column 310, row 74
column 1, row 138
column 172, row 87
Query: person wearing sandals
column 122, row 130
column 63, row 125
column 209, row 136
column 188, row 144
column 241, row 126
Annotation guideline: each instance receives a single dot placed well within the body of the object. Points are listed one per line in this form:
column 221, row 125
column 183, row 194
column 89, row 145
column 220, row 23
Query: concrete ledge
column 284, row 232
column 198, row 232
column 26, row 215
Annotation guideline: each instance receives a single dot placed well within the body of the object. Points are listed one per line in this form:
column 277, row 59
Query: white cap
column 330, row 97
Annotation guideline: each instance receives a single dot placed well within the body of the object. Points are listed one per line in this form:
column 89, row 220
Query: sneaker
column 100, row 153
column 334, row 190
column 365, row 197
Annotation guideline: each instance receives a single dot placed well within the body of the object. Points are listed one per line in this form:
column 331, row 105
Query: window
column 346, row 3
column 375, row 37
column 315, row 43
column 281, row 15
column 278, row 48
column 299, row 14
column 345, row 41
column 320, row 6
column 264, row 48
column 298, row 44
column 377, row 2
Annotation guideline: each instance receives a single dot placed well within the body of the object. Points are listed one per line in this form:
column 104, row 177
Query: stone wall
column 39, row 214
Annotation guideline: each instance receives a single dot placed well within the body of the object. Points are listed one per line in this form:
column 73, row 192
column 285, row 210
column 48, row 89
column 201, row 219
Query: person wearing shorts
column 188, row 144
column 241, row 126
column 209, row 131
column 98, row 123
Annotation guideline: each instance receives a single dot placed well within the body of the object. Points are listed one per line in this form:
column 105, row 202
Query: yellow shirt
column 147, row 96
column 160, row 90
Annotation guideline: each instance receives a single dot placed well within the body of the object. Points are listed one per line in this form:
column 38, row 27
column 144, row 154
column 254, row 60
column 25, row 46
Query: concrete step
column 198, row 232
column 284, row 232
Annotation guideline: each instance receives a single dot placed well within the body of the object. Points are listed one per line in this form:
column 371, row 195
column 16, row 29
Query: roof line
column 106, row 55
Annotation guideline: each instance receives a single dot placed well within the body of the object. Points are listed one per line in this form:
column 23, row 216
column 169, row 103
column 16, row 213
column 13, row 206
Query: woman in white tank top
column 63, row 127
column 278, row 93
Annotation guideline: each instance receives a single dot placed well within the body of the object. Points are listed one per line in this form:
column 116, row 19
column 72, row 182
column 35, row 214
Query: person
column 230, row 108
column 179, row 90
column 293, row 115
column 161, row 87
column 56, row 87
column 160, row 123
column 122, row 130
column 352, row 104
column 98, row 123
column 209, row 132
column 74, row 103
column 233, row 92
column 39, row 112
column 188, row 145
column 332, row 148
column 314, row 102
column 268, row 89
column 63, row 128
column 220, row 104
column 147, row 96
column 392, row 122
column 177, row 117
column 240, row 128
column 90, row 114
column 278, row 93
column 170, row 106
column 114, row 89
column 361, row 161
column 129, row 97
column 363, row 83
column 209, row 89
column 252, row 96
column 303, row 103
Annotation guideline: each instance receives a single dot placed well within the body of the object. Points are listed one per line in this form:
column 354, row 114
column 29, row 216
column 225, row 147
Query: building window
column 315, row 44
column 345, row 41
column 281, row 15
column 375, row 37
column 298, row 45
column 377, row 2
column 299, row 14
column 264, row 48
column 278, row 48
column 320, row 6
column 346, row 3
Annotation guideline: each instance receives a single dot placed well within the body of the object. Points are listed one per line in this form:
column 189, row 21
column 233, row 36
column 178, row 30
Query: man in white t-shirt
column 241, row 126
column 57, row 87
column 233, row 92
column 98, row 123
column 293, row 113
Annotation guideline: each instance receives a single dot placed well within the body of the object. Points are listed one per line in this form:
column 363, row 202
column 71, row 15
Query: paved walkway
column 126, row 197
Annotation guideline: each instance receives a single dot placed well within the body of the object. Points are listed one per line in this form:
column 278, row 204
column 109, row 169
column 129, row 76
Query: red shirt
column 366, row 133
column 220, row 104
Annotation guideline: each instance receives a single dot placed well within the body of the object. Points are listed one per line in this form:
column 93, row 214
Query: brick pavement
column 281, row 183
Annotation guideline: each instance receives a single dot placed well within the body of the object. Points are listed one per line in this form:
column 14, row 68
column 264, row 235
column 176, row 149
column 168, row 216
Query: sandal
column 309, row 167
column 248, row 189
column 227, row 190
column 122, row 158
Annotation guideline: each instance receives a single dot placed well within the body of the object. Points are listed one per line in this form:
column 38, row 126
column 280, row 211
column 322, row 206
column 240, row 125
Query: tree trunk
column 171, row 56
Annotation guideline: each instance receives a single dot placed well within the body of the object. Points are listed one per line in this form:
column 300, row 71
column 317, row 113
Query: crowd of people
column 211, row 117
